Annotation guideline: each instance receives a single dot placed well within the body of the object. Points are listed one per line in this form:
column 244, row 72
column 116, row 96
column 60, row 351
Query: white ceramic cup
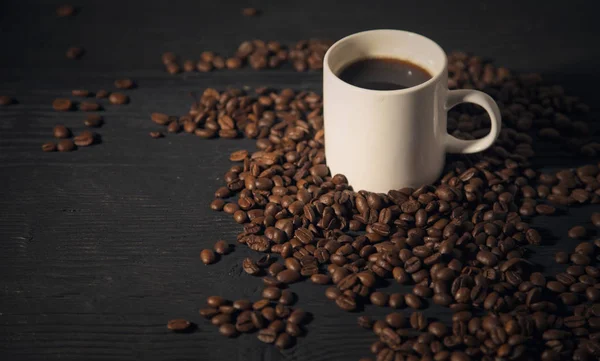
column 390, row 139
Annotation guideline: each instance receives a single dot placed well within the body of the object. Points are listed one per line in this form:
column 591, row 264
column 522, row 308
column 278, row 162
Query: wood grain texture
column 99, row 247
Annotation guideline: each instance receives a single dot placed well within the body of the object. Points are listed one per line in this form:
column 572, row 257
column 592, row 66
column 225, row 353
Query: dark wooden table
column 99, row 247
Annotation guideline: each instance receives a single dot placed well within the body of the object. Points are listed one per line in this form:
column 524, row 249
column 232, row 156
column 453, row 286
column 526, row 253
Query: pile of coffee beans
column 258, row 54
column 92, row 120
column 271, row 317
column 461, row 243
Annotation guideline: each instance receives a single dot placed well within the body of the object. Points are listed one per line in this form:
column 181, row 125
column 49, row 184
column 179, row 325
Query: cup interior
column 398, row 44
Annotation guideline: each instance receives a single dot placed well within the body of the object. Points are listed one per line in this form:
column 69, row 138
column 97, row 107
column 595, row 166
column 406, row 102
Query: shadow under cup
column 385, row 139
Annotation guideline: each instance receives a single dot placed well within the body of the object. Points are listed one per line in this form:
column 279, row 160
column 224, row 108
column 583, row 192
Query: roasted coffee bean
column 267, row 335
column 65, row 145
column 284, row 341
column 65, row 10
column 332, row 293
column 60, row 131
column 396, row 300
column 250, row 267
column 89, row 106
column 379, row 299
column 156, row 135
column 545, row 209
column 6, row 100
column 49, row 147
column 118, row 98
column 228, row 330
column 345, row 302
column 93, row 121
column 418, row 321
column 249, row 11
column 222, row 247
column 596, row 219
column 271, row 293
column 62, row 105
column 395, row 320
column 84, row 139
column 577, row 232
column 101, row 94
column 125, row 83
column 320, row 279
column 365, row 322
column 288, row 276
column 179, row 325
column 160, row 118
column 207, row 256
column 413, row 301
column 208, row 312
column 561, row 257
column 80, row 93
column 74, row 52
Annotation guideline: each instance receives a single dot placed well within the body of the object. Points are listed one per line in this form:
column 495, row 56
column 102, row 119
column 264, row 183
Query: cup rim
column 433, row 79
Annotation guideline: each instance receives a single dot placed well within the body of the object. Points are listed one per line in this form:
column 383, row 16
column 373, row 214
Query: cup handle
column 455, row 97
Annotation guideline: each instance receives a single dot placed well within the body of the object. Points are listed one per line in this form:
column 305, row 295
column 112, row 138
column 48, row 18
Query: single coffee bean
column 332, row 293
column 60, row 131
column 242, row 305
column 596, row 219
column 228, row 330
column 413, row 301
column 284, row 341
column 80, row 93
column 320, row 279
column 365, row 322
column 395, row 320
column 6, row 100
column 84, row 139
column 156, row 135
column 125, row 83
column 89, row 106
column 160, row 118
column 238, row 156
column 62, row 104
column 207, row 256
column 215, row 301
column 65, row 10
column 271, row 293
column 293, row 329
column 93, row 121
column 577, row 232
column 288, row 276
column 249, row 11
column 260, row 304
column 545, row 209
column 437, row 329
column 179, row 325
column 418, row 321
column 118, row 98
column 208, row 312
column 49, row 147
column 561, row 257
column 287, row 297
column 65, row 145
column 222, row 247
column 267, row 335
column 345, row 302
column 75, row 52
column 217, row 204
column 250, row 267
column 379, row 298
column 101, row 94
column 298, row 317
column 396, row 300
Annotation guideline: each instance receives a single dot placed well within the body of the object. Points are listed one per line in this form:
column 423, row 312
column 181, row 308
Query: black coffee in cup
column 384, row 74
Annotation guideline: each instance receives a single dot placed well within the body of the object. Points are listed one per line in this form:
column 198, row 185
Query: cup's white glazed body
column 382, row 140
